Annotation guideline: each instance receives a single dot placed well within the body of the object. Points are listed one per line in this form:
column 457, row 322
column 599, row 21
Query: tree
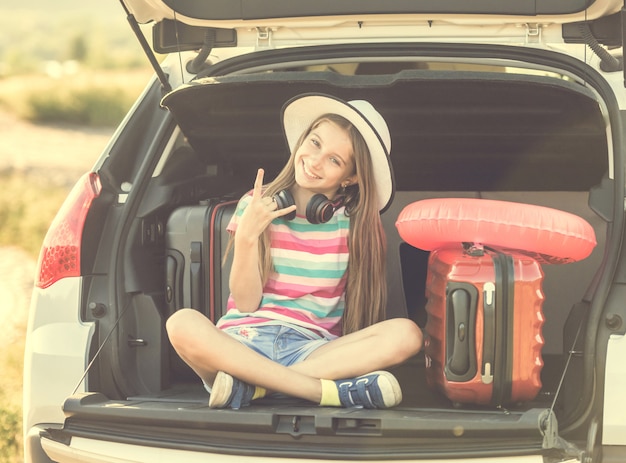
column 79, row 49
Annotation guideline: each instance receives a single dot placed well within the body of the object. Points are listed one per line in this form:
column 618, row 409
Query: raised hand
column 260, row 211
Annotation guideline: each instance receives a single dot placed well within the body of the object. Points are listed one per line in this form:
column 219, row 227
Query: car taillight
column 60, row 253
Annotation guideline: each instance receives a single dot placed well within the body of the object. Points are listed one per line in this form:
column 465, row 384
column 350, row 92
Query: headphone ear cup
column 319, row 209
column 284, row 199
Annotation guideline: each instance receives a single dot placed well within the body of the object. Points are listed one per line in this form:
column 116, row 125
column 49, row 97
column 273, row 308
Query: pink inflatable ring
column 548, row 235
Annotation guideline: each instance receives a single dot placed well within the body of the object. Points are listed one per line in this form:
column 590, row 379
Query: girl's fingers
column 264, row 209
column 284, row 211
column 258, row 184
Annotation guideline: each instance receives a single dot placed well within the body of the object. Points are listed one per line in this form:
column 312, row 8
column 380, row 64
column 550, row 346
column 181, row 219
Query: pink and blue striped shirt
column 307, row 287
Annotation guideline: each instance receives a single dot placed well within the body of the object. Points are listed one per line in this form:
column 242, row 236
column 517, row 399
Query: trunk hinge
column 549, row 428
column 264, row 37
column 533, row 33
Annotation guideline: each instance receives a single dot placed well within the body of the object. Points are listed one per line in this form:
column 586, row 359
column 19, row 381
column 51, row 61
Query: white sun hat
column 301, row 111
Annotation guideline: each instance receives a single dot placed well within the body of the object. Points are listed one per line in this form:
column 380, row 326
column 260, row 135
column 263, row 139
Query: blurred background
column 69, row 71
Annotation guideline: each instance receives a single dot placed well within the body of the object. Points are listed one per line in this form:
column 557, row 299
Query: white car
column 518, row 101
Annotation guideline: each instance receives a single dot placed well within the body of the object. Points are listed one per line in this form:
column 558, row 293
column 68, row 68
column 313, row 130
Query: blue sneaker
column 379, row 389
column 229, row 392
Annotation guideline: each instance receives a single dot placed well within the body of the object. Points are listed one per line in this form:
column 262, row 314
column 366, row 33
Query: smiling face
column 325, row 160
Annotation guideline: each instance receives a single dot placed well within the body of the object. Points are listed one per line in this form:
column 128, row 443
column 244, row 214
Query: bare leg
column 209, row 350
column 376, row 347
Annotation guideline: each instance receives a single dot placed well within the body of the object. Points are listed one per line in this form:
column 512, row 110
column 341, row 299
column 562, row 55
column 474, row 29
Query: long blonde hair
column 366, row 286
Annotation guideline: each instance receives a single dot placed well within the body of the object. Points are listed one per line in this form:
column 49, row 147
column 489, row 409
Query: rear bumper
column 82, row 450
column 33, row 452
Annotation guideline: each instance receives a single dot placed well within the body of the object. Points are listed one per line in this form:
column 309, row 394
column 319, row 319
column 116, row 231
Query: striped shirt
column 307, row 287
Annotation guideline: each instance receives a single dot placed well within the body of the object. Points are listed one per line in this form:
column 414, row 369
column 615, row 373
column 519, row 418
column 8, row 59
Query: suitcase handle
column 461, row 301
column 459, row 361
column 489, row 332
column 195, row 269
column 174, row 265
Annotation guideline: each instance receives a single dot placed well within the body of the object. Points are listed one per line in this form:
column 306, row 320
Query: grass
column 94, row 107
column 27, row 206
column 11, row 363
column 91, row 98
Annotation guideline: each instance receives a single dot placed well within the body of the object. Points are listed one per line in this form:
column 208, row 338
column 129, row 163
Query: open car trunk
column 475, row 131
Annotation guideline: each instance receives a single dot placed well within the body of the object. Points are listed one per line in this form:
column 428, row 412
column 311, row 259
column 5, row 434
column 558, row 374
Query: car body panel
column 55, row 358
column 244, row 13
column 614, row 419
column 58, row 344
column 304, row 27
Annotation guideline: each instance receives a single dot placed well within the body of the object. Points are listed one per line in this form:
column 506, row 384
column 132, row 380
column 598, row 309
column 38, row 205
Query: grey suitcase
column 196, row 241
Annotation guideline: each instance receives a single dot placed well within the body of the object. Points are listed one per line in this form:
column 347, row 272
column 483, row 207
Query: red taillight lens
column 60, row 253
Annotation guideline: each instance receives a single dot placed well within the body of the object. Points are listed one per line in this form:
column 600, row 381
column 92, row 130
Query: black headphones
column 320, row 209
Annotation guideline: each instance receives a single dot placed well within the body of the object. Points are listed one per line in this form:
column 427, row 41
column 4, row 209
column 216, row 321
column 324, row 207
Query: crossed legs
column 208, row 350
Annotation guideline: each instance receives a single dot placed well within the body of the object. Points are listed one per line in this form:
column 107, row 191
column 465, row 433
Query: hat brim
column 300, row 112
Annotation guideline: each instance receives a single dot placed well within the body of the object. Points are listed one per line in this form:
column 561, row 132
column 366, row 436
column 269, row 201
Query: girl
column 306, row 310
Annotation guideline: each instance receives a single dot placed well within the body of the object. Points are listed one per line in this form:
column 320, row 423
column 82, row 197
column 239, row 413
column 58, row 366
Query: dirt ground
column 60, row 150
column 62, row 153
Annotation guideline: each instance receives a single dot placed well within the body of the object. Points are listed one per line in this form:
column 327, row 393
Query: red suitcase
column 483, row 334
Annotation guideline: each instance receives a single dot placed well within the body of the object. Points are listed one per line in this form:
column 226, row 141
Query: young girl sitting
column 306, row 313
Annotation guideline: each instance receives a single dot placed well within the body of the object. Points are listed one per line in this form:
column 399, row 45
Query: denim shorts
column 283, row 344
